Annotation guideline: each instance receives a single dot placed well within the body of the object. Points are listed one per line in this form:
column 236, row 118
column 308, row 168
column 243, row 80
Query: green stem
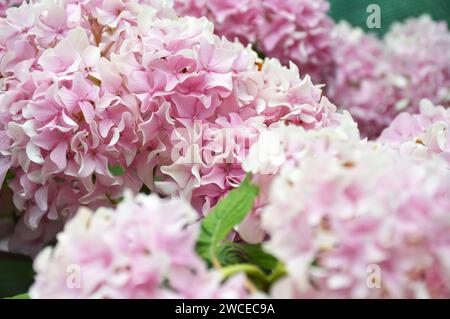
column 249, row 269
column 278, row 272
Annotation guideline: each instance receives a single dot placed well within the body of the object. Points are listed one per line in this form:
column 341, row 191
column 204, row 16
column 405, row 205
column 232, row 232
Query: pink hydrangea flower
column 100, row 96
column 294, row 30
column 287, row 146
column 354, row 219
column 423, row 135
column 377, row 79
column 211, row 166
column 358, row 82
column 61, row 131
column 139, row 251
column 210, row 99
column 419, row 55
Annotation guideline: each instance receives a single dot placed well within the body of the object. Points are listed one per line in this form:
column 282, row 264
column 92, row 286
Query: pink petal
column 88, row 111
column 58, row 155
column 41, row 197
column 87, row 166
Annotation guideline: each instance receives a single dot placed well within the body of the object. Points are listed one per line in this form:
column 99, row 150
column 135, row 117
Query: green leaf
column 236, row 253
column 116, row 170
column 16, row 274
column 229, row 212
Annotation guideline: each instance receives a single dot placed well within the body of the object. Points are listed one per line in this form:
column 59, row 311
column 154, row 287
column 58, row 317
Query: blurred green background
column 16, row 274
column 354, row 11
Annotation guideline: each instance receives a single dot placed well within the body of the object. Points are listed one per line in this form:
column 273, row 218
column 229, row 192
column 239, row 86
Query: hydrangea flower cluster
column 60, row 129
column 423, row 135
column 419, row 53
column 286, row 146
column 211, row 166
column 354, row 219
column 358, row 81
column 140, row 251
column 293, row 30
column 375, row 80
column 100, row 96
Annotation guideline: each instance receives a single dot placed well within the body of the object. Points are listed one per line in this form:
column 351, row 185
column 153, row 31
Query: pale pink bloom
column 281, row 147
column 377, row 79
column 61, row 131
column 204, row 100
column 93, row 87
column 424, row 135
column 64, row 139
column 135, row 251
column 419, row 56
column 358, row 81
column 294, row 30
column 354, row 219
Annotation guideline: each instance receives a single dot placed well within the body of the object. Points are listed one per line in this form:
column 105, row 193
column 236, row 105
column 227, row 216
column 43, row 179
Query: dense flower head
column 135, row 251
column 294, row 30
column 354, row 219
column 423, row 135
column 100, row 96
column 215, row 147
column 419, row 55
column 377, row 79
column 286, row 146
column 61, row 131
column 358, row 80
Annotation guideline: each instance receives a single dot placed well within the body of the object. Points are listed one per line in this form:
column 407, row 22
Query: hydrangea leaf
column 229, row 212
